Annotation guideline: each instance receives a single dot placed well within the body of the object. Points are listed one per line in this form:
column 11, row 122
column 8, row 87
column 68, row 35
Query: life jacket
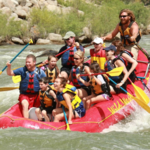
column 51, row 74
column 77, row 83
column 99, row 89
column 46, row 99
column 30, row 83
column 75, row 102
column 109, row 65
column 129, row 65
column 68, row 57
column 126, row 34
column 99, row 57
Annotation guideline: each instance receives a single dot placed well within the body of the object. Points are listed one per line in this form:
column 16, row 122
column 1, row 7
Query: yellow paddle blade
column 16, row 79
column 0, row 72
column 68, row 128
column 141, row 103
column 140, row 94
column 8, row 88
column 115, row 71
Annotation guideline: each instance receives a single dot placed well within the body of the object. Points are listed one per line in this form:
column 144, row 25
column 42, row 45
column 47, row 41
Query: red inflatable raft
column 97, row 118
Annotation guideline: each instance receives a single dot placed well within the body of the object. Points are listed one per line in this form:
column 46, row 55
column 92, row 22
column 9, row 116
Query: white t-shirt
column 99, row 77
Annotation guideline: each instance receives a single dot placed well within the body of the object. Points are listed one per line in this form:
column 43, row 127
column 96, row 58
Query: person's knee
column 44, row 113
column 54, row 112
column 88, row 102
column 25, row 104
column 37, row 110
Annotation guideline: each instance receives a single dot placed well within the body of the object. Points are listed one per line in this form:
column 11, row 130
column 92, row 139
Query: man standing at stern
column 129, row 31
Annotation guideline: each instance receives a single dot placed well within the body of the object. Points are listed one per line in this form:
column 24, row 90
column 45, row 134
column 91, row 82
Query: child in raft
column 99, row 86
column 67, row 96
column 51, row 70
column 47, row 100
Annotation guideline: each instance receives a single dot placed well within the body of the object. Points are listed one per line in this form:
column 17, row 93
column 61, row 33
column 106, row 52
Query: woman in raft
column 99, row 86
column 51, row 70
column 67, row 96
column 114, row 62
column 80, row 68
column 127, row 56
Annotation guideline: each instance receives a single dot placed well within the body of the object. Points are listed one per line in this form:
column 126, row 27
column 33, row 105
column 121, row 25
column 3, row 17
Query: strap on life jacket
column 71, row 57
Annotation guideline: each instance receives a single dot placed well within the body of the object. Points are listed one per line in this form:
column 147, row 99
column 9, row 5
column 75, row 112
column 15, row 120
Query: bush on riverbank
column 100, row 17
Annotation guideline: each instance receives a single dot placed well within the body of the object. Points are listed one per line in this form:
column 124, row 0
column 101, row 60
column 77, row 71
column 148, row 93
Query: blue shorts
column 80, row 110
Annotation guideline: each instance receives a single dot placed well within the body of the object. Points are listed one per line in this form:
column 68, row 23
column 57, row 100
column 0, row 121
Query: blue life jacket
column 66, row 57
column 31, row 79
column 77, row 83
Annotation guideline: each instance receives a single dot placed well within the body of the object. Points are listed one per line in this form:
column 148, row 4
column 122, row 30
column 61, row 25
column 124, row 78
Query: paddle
column 146, row 54
column 114, row 72
column 141, row 103
column 68, row 128
column 17, row 55
column 140, row 93
column 8, row 88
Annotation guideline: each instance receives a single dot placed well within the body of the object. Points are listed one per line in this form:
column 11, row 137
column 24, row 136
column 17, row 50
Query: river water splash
column 133, row 133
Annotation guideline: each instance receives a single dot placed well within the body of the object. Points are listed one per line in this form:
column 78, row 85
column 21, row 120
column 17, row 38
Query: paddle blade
column 115, row 71
column 8, row 88
column 0, row 72
column 68, row 128
column 140, row 94
column 16, row 79
column 141, row 103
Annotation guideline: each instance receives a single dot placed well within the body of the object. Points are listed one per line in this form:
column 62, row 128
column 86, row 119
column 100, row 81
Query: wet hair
column 119, row 45
column 31, row 56
column 52, row 56
column 79, row 53
column 95, row 67
column 129, row 12
column 63, row 81
column 45, row 80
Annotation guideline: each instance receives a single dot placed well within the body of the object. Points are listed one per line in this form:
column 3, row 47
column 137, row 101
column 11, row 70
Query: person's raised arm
column 134, row 31
column 112, row 34
column 132, row 61
column 9, row 70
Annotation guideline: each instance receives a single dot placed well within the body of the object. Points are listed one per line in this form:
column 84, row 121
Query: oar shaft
column 145, row 62
column 68, row 128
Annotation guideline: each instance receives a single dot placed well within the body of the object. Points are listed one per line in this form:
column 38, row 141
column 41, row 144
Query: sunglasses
column 123, row 16
column 95, row 44
column 76, row 58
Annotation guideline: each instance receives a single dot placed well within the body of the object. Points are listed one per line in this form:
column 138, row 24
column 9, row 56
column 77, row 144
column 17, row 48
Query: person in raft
column 99, row 86
column 80, row 68
column 114, row 62
column 67, row 60
column 51, row 70
column 47, row 100
column 127, row 56
column 98, row 54
column 29, row 85
column 129, row 31
column 67, row 96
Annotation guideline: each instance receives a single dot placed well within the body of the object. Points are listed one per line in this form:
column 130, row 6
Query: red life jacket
column 71, row 57
column 30, row 88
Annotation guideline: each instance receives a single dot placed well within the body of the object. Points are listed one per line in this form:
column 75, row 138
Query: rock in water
column 47, row 53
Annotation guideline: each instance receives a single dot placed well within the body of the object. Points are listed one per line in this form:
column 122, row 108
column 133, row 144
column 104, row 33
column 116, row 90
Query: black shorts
column 118, row 90
column 67, row 70
column 87, row 89
column 47, row 109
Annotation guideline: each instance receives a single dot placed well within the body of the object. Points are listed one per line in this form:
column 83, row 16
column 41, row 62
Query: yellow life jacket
column 46, row 99
column 51, row 74
column 75, row 102
column 99, row 57
column 126, row 34
column 98, row 89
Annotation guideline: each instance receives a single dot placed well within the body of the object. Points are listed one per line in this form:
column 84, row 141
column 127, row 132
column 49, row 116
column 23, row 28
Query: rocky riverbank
column 20, row 11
